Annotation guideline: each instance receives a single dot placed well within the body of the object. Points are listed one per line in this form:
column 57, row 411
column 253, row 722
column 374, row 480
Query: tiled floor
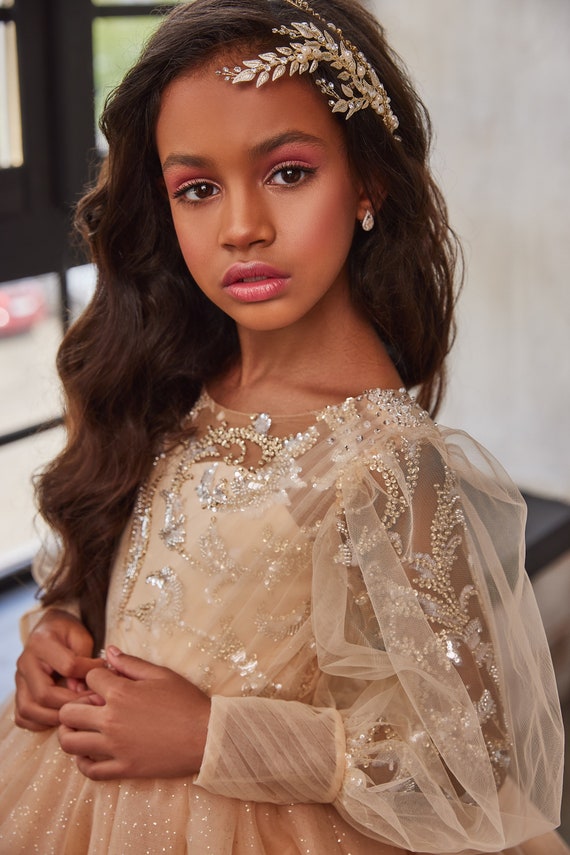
column 17, row 600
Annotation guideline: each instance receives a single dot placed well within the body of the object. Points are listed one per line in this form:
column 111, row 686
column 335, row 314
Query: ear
column 369, row 200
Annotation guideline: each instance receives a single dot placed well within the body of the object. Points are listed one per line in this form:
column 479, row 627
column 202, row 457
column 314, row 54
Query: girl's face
column 263, row 200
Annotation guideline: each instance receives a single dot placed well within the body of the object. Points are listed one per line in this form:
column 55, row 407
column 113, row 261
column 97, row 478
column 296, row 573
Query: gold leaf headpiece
column 308, row 47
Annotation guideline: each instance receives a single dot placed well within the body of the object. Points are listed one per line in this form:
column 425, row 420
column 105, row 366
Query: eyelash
column 301, row 167
column 307, row 172
column 180, row 192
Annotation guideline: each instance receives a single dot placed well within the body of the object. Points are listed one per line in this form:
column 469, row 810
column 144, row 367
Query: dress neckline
column 400, row 394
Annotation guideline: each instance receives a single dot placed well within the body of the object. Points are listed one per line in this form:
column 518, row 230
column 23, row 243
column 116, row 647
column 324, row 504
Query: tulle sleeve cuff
column 268, row 750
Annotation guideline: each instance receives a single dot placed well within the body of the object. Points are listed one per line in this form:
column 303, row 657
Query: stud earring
column 368, row 221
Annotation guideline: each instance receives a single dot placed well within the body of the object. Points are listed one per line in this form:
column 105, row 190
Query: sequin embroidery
column 232, row 479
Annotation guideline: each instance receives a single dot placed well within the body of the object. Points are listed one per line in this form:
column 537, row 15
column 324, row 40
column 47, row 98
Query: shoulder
column 378, row 421
column 386, row 434
column 377, row 409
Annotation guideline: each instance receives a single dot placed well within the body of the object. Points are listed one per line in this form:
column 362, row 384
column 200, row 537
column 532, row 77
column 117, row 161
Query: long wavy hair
column 135, row 361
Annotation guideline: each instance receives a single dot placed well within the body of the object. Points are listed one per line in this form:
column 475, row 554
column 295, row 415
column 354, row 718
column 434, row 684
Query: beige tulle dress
column 347, row 585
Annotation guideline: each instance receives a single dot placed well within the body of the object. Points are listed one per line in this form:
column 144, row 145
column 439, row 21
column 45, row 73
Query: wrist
column 201, row 723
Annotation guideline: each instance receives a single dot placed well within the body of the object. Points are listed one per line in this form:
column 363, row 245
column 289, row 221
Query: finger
column 57, row 657
column 35, row 715
column 32, row 676
column 42, row 721
column 27, row 713
column 54, row 655
column 119, row 667
column 38, row 719
column 100, row 770
column 82, row 743
column 83, row 665
column 31, row 716
column 37, row 691
column 101, row 680
column 89, row 697
column 132, row 666
column 51, row 663
column 81, row 716
column 75, row 685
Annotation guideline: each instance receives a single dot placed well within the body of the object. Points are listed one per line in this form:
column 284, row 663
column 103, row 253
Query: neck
column 317, row 361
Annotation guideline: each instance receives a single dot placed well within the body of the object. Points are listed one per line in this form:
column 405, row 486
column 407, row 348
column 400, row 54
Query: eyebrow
column 264, row 147
column 285, row 138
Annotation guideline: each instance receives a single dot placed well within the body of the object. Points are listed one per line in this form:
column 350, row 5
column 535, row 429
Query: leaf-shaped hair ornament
column 309, row 46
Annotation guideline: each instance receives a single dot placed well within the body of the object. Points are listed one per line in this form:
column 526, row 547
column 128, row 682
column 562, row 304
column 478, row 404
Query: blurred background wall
column 494, row 75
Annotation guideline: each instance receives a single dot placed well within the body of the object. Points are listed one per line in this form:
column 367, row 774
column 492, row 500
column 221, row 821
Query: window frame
column 56, row 84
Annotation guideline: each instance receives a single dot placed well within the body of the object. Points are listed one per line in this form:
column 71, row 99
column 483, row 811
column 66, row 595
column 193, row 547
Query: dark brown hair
column 133, row 364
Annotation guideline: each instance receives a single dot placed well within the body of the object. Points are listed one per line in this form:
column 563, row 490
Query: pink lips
column 254, row 282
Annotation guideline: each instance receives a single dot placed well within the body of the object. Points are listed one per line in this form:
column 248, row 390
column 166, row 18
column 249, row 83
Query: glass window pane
column 10, row 119
column 117, row 42
column 81, row 283
column 30, row 332
column 21, row 530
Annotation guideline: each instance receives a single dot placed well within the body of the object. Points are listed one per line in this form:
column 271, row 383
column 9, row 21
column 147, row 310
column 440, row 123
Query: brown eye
column 197, row 191
column 290, row 174
column 202, row 191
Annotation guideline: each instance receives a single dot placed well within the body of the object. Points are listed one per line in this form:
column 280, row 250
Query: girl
column 317, row 633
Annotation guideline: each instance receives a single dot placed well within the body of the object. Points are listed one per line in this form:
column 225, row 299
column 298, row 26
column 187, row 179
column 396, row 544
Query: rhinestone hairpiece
column 359, row 83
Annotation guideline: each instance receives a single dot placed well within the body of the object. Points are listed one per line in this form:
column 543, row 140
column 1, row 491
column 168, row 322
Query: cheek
column 192, row 247
column 331, row 221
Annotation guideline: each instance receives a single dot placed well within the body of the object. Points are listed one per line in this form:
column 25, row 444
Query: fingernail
column 113, row 650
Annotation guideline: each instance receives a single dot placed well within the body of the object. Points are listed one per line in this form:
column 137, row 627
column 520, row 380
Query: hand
column 51, row 669
column 143, row 721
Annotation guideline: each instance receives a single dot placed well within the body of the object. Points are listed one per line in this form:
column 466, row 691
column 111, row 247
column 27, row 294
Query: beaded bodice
column 217, row 575
column 219, row 551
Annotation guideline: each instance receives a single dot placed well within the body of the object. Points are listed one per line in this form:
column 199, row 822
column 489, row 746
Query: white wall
column 495, row 75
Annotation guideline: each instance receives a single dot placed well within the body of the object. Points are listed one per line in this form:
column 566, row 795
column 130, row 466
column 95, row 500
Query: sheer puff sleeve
column 435, row 724
column 43, row 566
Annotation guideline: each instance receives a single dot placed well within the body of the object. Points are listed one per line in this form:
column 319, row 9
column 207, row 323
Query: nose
column 245, row 219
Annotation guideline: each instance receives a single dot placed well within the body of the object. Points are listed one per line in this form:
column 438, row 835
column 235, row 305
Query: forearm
column 268, row 750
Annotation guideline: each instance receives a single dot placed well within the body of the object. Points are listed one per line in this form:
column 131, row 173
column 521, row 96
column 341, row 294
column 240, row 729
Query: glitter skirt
column 47, row 806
